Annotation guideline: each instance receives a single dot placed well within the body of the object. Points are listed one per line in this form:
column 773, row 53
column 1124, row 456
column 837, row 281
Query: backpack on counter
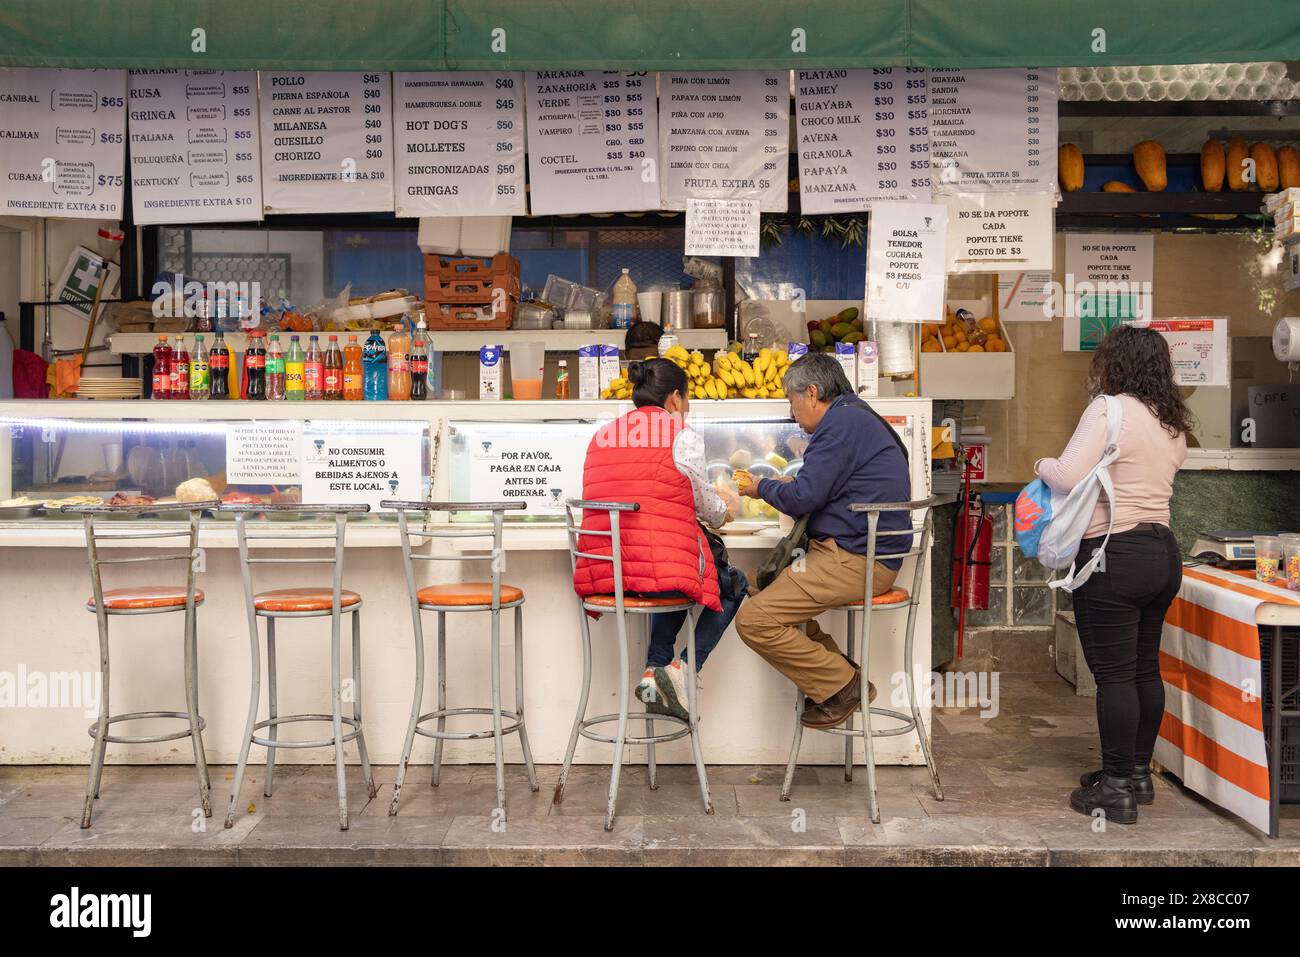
column 1050, row 525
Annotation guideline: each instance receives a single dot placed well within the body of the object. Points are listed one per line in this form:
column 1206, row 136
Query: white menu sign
column 905, row 262
column 326, row 142
column 593, row 140
column 725, row 136
column 342, row 466
column 460, row 144
column 993, row 130
column 1198, row 348
column 62, row 142
column 525, row 467
column 863, row 136
column 722, row 227
column 991, row 232
column 194, row 146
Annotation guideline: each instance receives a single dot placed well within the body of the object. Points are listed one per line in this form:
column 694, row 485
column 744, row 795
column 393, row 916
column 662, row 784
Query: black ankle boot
column 1110, row 794
column 1143, row 790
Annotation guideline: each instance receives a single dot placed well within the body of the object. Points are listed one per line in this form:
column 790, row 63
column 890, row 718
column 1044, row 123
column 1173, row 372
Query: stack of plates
column 97, row 388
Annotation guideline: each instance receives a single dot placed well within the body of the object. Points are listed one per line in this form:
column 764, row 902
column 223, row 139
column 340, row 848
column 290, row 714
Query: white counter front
column 49, row 653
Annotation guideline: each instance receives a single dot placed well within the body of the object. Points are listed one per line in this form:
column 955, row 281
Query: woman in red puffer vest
column 650, row 457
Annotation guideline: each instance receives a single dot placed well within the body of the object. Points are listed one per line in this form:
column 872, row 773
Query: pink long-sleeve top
column 1143, row 475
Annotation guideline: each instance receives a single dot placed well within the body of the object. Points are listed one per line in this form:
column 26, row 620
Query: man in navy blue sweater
column 853, row 456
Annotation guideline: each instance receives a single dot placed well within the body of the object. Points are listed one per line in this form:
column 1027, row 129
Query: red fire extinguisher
column 972, row 554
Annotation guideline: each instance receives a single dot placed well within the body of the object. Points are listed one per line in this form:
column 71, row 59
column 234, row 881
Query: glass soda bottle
column 180, row 371
column 293, row 371
column 420, row 363
column 333, row 383
column 353, row 389
column 162, row 369
column 374, row 363
column 313, row 370
column 274, row 369
column 255, row 365
column 200, row 381
column 399, row 364
column 219, row 368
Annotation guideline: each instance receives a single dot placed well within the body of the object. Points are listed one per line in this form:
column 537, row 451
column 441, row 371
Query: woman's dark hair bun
column 636, row 372
column 654, row 380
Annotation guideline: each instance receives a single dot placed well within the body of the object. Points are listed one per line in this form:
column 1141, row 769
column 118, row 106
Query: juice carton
column 589, row 372
column 844, row 354
column 489, row 372
column 868, row 369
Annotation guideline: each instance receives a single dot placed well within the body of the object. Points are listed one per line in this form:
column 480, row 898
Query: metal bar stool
column 623, row 605
column 894, row 599
column 300, row 603
column 490, row 596
column 144, row 600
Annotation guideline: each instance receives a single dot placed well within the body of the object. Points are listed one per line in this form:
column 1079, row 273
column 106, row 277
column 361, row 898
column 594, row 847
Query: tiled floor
column 1006, row 780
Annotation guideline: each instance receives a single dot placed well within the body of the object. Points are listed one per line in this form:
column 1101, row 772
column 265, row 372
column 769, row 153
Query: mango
column 818, row 339
column 840, row 330
column 849, row 314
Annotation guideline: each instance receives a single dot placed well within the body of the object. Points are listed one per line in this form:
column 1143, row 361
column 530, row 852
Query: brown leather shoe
column 838, row 708
column 809, row 705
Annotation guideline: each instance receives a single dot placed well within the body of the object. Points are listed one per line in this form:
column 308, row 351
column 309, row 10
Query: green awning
column 633, row 35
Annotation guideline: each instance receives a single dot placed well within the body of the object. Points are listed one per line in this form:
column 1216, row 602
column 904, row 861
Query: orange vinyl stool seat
column 302, row 599
column 895, row 596
column 145, row 596
column 460, row 594
column 632, row 601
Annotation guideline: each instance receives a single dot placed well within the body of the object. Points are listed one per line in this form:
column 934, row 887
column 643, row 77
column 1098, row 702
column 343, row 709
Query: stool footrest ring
column 290, row 718
column 908, row 725
column 466, row 735
column 147, row 738
column 682, row 732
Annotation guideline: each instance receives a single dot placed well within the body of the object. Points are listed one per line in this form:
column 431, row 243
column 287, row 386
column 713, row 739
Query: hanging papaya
column 1235, row 165
column 1288, row 167
column 1149, row 159
column 1265, row 166
column 1115, row 186
column 1212, row 163
column 1069, row 167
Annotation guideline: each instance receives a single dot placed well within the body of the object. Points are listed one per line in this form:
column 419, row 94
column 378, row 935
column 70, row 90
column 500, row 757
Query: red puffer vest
column 663, row 546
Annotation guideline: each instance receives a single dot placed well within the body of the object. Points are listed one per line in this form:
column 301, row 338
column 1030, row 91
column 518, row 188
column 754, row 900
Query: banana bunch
column 701, row 382
column 619, row 388
column 762, row 380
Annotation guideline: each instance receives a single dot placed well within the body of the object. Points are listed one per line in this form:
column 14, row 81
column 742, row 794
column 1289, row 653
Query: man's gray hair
column 822, row 370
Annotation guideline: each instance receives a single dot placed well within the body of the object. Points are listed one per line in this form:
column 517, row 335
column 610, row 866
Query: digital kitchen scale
column 1233, row 548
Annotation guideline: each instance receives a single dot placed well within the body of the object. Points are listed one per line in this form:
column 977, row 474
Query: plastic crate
column 469, row 317
column 1288, row 754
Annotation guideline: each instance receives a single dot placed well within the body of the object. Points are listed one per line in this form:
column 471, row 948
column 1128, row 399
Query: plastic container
column 706, row 308
column 294, row 378
column 274, row 368
column 1290, row 570
column 353, row 390
column 527, row 360
column 623, row 302
column 1268, row 557
column 399, row 365
column 651, row 304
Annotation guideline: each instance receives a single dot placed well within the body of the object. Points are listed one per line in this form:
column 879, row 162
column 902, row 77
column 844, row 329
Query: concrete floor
column 1006, row 782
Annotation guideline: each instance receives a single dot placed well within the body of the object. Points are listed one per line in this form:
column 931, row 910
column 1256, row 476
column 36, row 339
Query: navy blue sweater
column 852, row 457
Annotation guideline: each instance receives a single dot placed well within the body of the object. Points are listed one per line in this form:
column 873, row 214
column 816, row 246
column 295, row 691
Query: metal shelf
column 557, row 340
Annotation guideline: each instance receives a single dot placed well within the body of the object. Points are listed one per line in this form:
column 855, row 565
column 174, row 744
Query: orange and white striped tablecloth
column 1212, row 736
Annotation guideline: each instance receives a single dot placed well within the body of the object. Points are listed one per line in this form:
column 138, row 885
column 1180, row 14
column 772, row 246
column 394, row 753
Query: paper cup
column 651, row 304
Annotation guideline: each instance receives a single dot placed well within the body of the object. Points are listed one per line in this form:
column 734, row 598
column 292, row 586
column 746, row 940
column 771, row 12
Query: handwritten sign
column 905, row 262
column 991, row 232
column 1109, row 278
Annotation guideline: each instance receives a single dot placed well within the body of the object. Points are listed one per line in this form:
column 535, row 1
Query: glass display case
column 540, row 463
column 46, row 462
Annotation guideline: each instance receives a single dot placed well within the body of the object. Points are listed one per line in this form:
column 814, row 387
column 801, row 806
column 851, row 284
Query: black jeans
column 1120, row 611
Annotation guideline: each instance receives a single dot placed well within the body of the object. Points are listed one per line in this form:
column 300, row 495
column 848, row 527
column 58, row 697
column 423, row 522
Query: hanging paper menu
column 725, row 136
column 993, row 130
column 62, row 142
column 863, row 136
column 194, row 146
column 326, row 143
column 593, row 139
column 460, row 144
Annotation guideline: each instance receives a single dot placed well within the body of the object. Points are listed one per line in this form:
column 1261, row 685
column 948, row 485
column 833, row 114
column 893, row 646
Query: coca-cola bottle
column 255, row 366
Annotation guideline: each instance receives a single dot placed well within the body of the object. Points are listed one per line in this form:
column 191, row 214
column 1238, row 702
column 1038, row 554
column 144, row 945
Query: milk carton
column 796, row 350
column 489, row 372
column 868, row 369
column 609, row 369
column 844, row 355
column 589, row 386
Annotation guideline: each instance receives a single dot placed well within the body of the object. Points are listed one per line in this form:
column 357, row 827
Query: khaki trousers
column 771, row 622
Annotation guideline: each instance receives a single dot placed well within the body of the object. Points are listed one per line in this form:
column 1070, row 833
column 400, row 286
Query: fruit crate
column 462, row 294
column 469, row 317
column 965, row 375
